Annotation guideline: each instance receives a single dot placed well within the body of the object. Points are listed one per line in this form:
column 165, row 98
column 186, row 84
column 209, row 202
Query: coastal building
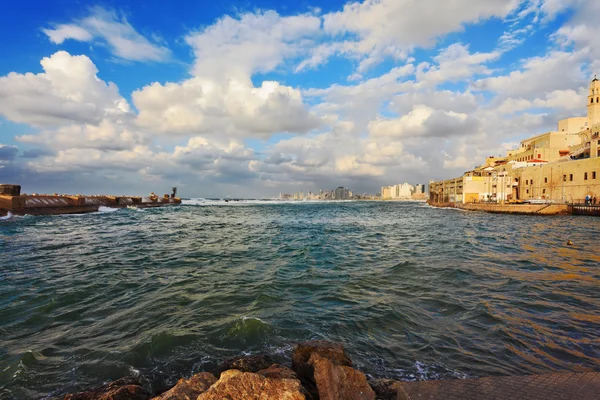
column 404, row 191
column 557, row 166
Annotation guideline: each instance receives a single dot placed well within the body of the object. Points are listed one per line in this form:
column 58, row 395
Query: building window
column 593, row 174
column 544, row 191
column 545, row 180
column 539, row 156
column 527, row 191
column 531, row 182
column 527, row 182
column 571, row 177
column 564, row 178
column 585, row 176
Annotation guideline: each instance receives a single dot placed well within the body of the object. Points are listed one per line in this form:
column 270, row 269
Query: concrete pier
column 526, row 209
column 563, row 386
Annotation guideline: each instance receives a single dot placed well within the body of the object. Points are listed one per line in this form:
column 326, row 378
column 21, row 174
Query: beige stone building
column 557, row 166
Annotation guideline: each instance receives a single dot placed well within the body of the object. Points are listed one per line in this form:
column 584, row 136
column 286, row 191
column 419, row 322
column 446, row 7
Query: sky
column 254, row 98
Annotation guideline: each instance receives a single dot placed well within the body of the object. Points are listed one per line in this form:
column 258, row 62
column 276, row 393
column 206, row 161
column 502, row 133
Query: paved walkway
column 576, row 386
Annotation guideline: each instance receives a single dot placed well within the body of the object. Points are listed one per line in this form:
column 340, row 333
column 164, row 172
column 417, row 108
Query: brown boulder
column 234, row 385
column 329, row 350
column 245, row 364
column 386, row 389
column 305, row 371
column 339, row 382
column 189, row 389
column 122, row 389
column 277, row 371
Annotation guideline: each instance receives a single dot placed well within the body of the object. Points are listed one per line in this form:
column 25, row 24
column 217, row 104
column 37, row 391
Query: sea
column 413, row 292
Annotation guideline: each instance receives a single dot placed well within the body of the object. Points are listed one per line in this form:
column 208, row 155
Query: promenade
column 559, row 386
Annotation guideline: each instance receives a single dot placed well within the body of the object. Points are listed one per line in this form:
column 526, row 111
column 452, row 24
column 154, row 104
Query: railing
column 586, row 209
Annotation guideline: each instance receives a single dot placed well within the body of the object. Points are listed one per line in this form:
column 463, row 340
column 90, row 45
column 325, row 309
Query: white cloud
column 67, row 91
column 424, row 121
column 557, row 70
column 234, row 108
column 107, row 27
column 385, row 28
column 256, row 42
column 455, row 63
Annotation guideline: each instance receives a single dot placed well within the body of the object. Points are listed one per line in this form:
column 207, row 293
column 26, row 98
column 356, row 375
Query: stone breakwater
column 12, row 201
column 321, row 370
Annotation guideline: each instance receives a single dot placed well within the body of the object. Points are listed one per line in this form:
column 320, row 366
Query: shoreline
column 321, row 370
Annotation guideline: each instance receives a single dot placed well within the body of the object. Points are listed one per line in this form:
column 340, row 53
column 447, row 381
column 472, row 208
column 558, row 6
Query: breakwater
column 13, row 202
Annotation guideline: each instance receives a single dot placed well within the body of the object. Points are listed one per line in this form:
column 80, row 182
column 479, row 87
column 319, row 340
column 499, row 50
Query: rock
column 386, row 389
column 329, row 350
column 277, row 371
column 245, row 364
column 235, row 384
column 305, row 371
column 122, row 389
column 339, row 382
column 189, row 389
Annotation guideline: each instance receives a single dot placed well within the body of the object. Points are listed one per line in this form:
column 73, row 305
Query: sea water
column 413, row 292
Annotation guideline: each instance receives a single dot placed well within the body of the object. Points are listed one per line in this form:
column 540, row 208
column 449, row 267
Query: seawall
column 526, row 209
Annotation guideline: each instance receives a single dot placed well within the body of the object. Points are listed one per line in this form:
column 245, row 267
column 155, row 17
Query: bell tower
column 593, row 104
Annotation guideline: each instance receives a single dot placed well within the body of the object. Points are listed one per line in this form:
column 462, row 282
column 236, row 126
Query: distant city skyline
column 250, row 99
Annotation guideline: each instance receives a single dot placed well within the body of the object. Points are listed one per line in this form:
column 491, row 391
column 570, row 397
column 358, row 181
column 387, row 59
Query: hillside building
column 557, row 166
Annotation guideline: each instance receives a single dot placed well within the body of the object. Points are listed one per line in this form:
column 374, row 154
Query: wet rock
column 245, row 364
column 122, row 389
column 386, row 389
column 305, row 371
column 189, row 389
column 235, row 384
column 329, row 350
column 277, row 371
column 339, row 382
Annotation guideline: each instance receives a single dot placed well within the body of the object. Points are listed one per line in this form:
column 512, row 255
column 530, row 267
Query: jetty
column 12, row 201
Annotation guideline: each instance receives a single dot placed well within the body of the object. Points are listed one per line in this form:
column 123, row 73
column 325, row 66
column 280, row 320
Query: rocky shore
column 319, row 370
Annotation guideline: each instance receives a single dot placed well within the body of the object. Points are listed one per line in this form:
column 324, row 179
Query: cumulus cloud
column 424, row 121
column 67, row 91
column 201, row 106
column 108, row 28
column 254, row 42
column 557, row 70
column 385, row 28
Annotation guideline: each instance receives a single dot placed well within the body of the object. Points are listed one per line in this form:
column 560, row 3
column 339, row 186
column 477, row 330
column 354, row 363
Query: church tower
column 594, row 103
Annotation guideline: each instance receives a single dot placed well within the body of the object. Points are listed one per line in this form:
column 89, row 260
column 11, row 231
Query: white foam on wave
column 8, row 216
column 228, row 202
column 104, row 210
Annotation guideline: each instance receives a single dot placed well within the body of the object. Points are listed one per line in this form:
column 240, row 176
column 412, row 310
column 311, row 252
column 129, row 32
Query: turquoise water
column 414, row 292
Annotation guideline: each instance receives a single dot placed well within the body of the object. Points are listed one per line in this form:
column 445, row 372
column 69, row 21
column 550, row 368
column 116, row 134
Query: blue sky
column 254, row 98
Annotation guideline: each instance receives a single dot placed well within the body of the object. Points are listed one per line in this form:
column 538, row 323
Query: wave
column 246, row 202
column 104, row 210
column 8, row 216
